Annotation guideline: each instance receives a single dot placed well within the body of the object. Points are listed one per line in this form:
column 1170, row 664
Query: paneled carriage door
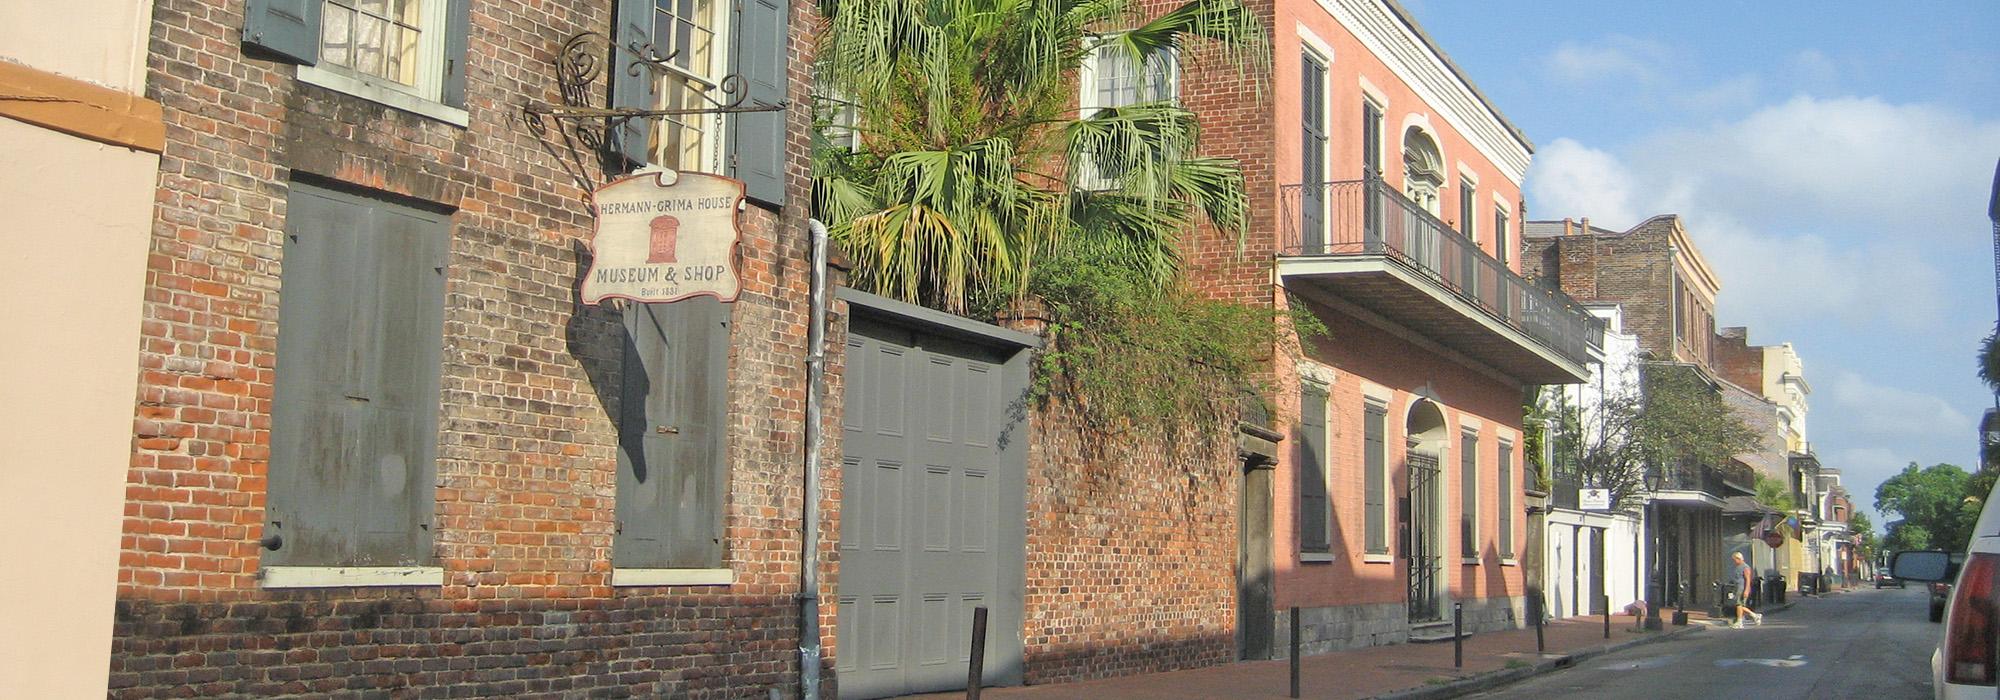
column 924, row 512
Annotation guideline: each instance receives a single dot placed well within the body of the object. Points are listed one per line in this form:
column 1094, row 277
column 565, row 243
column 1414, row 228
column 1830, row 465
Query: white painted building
column 1591, row 555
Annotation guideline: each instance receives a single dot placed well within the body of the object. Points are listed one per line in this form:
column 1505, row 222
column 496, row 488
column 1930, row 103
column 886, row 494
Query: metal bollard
column 1295, row 652
column 1458, row 635
column 978, row 666
column 1536, row 602
column 1607, row 616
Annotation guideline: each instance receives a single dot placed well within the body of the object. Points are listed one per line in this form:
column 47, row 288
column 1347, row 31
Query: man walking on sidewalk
column 1745, row 577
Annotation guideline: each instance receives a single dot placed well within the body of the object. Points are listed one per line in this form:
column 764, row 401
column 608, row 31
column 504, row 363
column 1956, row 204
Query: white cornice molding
column 1426, row 73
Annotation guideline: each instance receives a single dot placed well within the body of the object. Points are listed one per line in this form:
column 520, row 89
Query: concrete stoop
column 1544, row 664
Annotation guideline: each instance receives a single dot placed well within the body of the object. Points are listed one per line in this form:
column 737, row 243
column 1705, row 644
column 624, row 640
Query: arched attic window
column 1423, row 169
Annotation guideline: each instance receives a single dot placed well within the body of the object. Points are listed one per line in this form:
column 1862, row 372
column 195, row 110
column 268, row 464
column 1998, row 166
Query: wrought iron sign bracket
column 583, row 60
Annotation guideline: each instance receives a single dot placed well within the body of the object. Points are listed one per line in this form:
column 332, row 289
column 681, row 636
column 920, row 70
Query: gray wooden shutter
column 1506, row 500
column 673, row 435
column 1312, row 470
column 458, row 31
column 401, row 379
column 354, row 417
column 632, row 28
column 1375, row 461
column 1312, row 158
column 1468, row 490
column 757, row 140
column 288, row 28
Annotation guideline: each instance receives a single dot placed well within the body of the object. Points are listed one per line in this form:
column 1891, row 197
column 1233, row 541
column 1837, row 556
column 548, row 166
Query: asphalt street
column 1873, row 644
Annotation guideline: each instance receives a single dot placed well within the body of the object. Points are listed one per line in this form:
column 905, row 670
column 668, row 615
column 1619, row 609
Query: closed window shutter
column 1312, row 470
column 672, row 467
column 288, row 28
column 1312, row 157
column 632, row 28
column 1468, row 489
column 1375, row 462
column 1506, row 500
column 757, row 140
column 458, row 30
column 354, row 417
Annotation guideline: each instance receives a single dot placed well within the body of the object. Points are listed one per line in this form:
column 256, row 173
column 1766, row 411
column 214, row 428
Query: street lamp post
column 1653, row 593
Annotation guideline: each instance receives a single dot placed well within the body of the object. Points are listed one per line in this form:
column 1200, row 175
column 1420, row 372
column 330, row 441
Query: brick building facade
column 512, row 589
column 1385, row 198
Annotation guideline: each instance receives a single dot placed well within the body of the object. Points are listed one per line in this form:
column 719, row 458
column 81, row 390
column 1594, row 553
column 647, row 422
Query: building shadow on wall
column 595, row 336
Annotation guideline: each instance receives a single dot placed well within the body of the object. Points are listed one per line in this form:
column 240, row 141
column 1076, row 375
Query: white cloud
column 1893, row 413
column 1810, row 68
column 1802, row 207
column 1613, row 58
column 1571, row 179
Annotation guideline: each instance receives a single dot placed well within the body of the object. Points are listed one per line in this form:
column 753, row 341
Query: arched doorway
column 1423, row 526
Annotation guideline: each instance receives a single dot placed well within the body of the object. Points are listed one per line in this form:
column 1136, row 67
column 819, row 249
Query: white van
column 1965, row 662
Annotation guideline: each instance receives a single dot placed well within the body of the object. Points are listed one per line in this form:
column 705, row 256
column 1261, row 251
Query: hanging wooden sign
column 664, row 237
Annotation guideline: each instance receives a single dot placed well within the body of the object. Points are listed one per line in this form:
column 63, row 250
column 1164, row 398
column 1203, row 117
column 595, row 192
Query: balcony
column 1362, row 245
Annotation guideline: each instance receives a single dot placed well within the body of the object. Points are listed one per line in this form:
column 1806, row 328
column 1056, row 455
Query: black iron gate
column 1422, row 542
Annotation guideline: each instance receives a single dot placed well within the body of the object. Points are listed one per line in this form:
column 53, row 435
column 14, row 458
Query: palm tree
column 970, row 142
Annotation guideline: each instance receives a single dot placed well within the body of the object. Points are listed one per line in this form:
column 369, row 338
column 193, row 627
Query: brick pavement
column 1402, row 670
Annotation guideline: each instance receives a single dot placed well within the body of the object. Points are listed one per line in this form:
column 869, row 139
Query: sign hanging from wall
column 664, row 237
column 1593, row 499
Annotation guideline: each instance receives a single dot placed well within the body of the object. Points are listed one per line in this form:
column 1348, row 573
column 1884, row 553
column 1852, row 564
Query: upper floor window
column 689, row 35
column 1110, row 78
column 398, row 41
column 1500, row 244
column 674, row 56
column 1423, row 169
column 1468, row 199
column 408, row 54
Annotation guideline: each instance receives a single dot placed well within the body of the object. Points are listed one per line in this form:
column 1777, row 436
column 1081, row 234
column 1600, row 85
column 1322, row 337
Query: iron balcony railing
column 1368, row 217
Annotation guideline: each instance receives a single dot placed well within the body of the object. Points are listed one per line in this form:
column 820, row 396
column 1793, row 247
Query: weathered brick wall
column 1131, row 562
column 1737, row 360
column 1633, row 269
column 526, row 458
column 1234, row 104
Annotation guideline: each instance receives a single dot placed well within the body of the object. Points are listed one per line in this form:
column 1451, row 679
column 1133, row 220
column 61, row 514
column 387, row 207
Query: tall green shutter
column 288, row 28
column 1375, row 462
column 1312, row 470
column 1468, row 490
column 757, row 140
column 632, row 29
column 672, row 459
column 1506, row 500
column 458, row 31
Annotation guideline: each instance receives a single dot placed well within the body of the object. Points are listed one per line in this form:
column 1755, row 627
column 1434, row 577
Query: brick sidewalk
column 1402, row 670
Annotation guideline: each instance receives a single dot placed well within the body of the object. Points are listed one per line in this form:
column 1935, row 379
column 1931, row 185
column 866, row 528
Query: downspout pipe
column 808, row 597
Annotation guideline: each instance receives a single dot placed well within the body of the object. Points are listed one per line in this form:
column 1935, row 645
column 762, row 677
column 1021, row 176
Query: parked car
column 1884, row 580
column 1963, row 666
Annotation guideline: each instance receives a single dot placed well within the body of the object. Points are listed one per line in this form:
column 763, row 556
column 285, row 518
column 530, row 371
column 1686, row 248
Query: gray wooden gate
column 932, row 520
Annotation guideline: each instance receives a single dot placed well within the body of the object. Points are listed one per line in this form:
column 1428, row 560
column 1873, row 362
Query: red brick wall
column 1633, row 269
column 526, row 461
column 1131, row 553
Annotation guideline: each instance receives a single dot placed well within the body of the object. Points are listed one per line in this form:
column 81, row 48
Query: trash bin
column 1775, row 583
column 1808, row 583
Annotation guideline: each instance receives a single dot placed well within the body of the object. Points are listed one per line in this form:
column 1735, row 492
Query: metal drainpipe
column 809, row 645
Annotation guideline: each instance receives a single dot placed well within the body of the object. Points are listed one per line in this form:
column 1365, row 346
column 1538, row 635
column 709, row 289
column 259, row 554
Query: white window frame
column 1087, row 104
column 425, row 98
column 713, row 126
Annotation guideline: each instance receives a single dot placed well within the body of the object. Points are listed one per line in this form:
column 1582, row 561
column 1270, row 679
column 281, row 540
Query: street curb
column 1495, row 679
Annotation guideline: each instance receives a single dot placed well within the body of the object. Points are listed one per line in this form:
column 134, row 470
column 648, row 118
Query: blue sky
column 1833, row 162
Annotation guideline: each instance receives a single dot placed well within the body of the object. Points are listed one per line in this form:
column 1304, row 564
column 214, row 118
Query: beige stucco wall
column 72, row 267
column 98, row 41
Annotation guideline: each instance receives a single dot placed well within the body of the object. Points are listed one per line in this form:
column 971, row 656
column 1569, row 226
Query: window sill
column 673, row 577
column 1509, row 561
column 349, row 576
column 1469, row 561
column 1315, row 558
column 1377, row 559
column 382, row 94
